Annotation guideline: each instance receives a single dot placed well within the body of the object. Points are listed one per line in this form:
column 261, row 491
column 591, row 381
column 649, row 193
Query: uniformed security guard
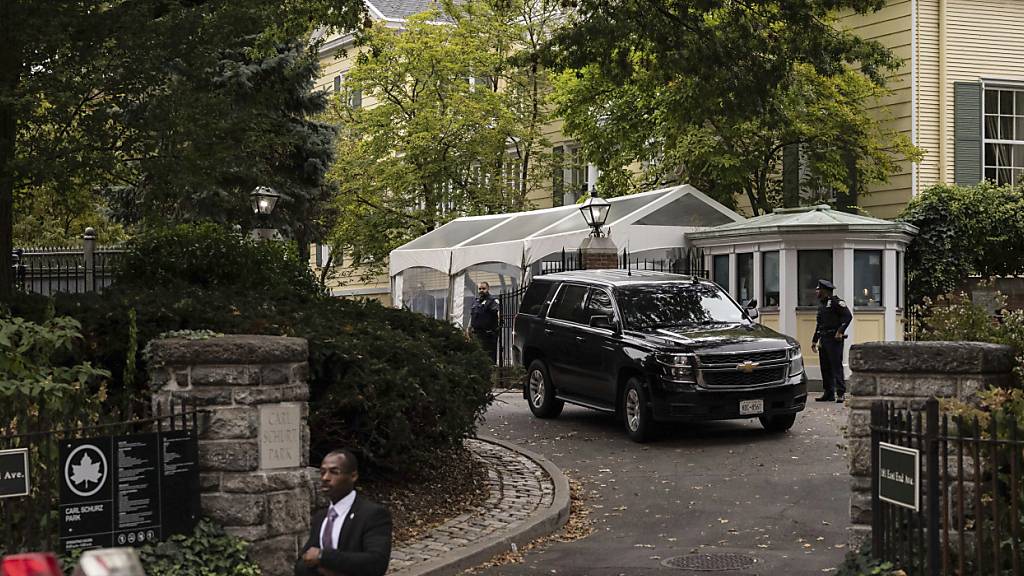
column 483, row 320
column 834, row 318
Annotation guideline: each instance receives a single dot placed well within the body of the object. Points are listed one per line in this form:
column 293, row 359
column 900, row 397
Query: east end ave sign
column 14, row 473
column 898, row 477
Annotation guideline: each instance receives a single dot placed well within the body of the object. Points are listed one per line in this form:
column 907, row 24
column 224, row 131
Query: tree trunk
column 791, row 176
column 10, row 69
column 848, row 202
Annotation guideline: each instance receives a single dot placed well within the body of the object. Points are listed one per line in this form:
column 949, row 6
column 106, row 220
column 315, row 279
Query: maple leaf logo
column 86, row 471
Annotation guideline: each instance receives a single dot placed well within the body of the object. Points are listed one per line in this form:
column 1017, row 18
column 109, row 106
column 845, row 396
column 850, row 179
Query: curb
column 542, row 523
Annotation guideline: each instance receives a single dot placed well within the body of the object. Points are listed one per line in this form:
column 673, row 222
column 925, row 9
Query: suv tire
column 540, row 393
column 635, row 412
column 778, row 423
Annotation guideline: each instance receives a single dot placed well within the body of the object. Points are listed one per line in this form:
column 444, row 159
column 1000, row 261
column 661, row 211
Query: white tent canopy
column 638, row 223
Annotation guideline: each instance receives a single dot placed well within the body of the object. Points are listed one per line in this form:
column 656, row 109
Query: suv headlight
column 796, row 361
column 677, row 368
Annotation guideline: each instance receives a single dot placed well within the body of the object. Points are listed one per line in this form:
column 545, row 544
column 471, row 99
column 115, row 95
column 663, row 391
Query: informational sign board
column 899, row 475
column 14, row 473
column 280, row 437
column 128, row 490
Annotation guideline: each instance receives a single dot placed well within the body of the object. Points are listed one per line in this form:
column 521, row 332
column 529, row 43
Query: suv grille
column 737, row 379
column 734, row 358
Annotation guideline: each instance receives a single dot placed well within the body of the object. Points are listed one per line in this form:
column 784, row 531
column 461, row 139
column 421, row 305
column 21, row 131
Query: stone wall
column 253, row 435
column 907, row 374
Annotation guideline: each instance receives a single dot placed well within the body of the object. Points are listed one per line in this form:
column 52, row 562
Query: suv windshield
column 675, row 304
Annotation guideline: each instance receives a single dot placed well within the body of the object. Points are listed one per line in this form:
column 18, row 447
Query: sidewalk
column 528, row 498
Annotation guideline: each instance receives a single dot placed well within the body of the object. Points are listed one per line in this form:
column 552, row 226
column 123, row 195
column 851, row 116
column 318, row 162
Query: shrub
column 964, row 231
column 390, row 384
column 862, row 563
column 208, row 551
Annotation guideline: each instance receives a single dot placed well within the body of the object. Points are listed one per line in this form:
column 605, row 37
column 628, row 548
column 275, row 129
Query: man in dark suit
column 352, row 537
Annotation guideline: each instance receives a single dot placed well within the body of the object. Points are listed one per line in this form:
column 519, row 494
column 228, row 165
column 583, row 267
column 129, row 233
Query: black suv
column 653, row 346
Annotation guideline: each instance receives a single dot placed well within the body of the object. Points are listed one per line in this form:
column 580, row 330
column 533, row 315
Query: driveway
column 718, row 488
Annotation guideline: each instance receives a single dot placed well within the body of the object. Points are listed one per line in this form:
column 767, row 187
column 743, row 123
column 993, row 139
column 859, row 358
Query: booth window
column 811, row 266
column 721, row 270
column 744, row 277
column 770, row 272
column 867, row 277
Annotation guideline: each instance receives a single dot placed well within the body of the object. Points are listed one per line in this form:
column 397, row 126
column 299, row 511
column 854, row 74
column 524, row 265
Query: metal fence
column 31, row 522
column 49, row 270
column 970, row 488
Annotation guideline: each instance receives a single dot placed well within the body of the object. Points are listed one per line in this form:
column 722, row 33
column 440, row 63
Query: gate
column 946, row 492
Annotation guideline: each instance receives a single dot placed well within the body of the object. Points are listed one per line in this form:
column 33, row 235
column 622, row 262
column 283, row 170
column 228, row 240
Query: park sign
column 128, row 490
column 898, row 475
column 14, row 473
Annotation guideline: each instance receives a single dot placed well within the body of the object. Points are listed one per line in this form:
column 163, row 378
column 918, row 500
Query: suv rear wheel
column 540, row 392
column 778, row 423
column 639, row 424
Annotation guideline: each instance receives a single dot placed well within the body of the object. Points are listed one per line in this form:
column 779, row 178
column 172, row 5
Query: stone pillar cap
column 229, row 349
column 932, row 357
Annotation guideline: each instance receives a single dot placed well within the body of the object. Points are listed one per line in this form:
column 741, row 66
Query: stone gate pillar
column 253, row 434
column 907, row 374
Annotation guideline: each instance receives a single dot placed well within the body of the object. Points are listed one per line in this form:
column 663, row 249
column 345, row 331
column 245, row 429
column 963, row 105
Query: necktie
column 328, row 537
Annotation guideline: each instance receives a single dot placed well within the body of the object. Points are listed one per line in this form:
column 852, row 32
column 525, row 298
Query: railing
column 49, row 270
column 969, row 486
column 31, row 522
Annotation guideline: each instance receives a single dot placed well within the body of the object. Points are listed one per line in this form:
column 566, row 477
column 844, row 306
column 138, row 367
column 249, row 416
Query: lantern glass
column 595, row 212
column 264, row 199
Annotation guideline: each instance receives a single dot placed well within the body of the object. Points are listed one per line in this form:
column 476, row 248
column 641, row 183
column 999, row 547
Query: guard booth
column 778, row 258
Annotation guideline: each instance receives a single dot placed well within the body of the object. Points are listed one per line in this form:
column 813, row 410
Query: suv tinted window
column 675, row 304
column 536, row 294
column 568, row 303
column 599, row 304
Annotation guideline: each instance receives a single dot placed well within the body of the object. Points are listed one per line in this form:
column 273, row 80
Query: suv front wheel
column 639, row 423
column 778, row 423
column 540, row 393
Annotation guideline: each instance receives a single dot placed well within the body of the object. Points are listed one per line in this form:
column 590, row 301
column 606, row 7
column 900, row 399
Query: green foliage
column 964, row 231
column 711, row 92
column 42, row 388
column 208, row 551
column 208, row 257
column 391, row 384
column 456, row 128
column 862, row 563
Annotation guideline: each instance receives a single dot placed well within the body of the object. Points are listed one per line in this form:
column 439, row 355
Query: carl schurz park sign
column 898, row 477
column 128, row 490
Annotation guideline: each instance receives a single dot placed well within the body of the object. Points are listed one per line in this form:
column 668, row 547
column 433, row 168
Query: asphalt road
column 717, row 488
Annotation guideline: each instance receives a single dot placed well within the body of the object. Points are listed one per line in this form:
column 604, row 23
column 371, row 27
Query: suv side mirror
column 603, row 321
column 751, row 309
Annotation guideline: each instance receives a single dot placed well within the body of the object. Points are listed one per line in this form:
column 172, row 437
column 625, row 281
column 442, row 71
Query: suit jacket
column 364, row 545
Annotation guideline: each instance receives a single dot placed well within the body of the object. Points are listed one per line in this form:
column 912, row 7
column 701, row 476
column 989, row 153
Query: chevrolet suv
column 653, row 347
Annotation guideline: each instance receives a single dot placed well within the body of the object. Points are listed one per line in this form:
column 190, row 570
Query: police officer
column 483, row 320
column 834, row 318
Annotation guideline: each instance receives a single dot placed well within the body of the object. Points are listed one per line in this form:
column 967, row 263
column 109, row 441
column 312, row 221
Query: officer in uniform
column 834, row 318
column 483, row 320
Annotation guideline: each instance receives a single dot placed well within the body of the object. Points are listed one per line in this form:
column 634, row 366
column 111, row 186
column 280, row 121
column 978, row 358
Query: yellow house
column 959, row 96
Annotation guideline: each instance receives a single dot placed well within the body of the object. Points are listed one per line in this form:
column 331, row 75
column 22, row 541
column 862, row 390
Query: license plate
column 751, row 407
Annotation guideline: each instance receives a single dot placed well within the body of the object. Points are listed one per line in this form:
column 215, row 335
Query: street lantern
column 264, row 198
column 595, row 212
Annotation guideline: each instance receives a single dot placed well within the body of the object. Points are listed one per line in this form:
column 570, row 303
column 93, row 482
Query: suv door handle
column 549, row 331
column 581, row 338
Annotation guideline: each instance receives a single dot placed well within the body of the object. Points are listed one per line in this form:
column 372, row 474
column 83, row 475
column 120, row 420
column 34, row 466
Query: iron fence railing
column 50, row 270
column 31, row 522
column 970, row 488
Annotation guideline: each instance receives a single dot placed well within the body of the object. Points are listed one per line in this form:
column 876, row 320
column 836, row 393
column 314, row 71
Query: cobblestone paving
column 517, row 486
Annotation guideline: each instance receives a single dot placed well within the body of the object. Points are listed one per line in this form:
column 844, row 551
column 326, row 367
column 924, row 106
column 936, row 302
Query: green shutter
column 966, row 133
column 557, row 175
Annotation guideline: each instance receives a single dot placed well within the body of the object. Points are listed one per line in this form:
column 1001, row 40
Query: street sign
column 899, row 479
column 128, row 490
column 14, row 473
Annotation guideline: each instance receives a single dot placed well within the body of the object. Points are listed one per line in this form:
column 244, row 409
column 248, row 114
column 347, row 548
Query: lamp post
column 595, row 212
column 597, row 251
column 264, row 199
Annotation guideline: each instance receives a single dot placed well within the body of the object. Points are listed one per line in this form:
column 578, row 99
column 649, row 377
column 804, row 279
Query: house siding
column 892, row 27
column 983, row 40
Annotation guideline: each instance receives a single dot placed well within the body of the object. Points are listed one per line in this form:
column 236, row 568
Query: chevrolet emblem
column 746, row 367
